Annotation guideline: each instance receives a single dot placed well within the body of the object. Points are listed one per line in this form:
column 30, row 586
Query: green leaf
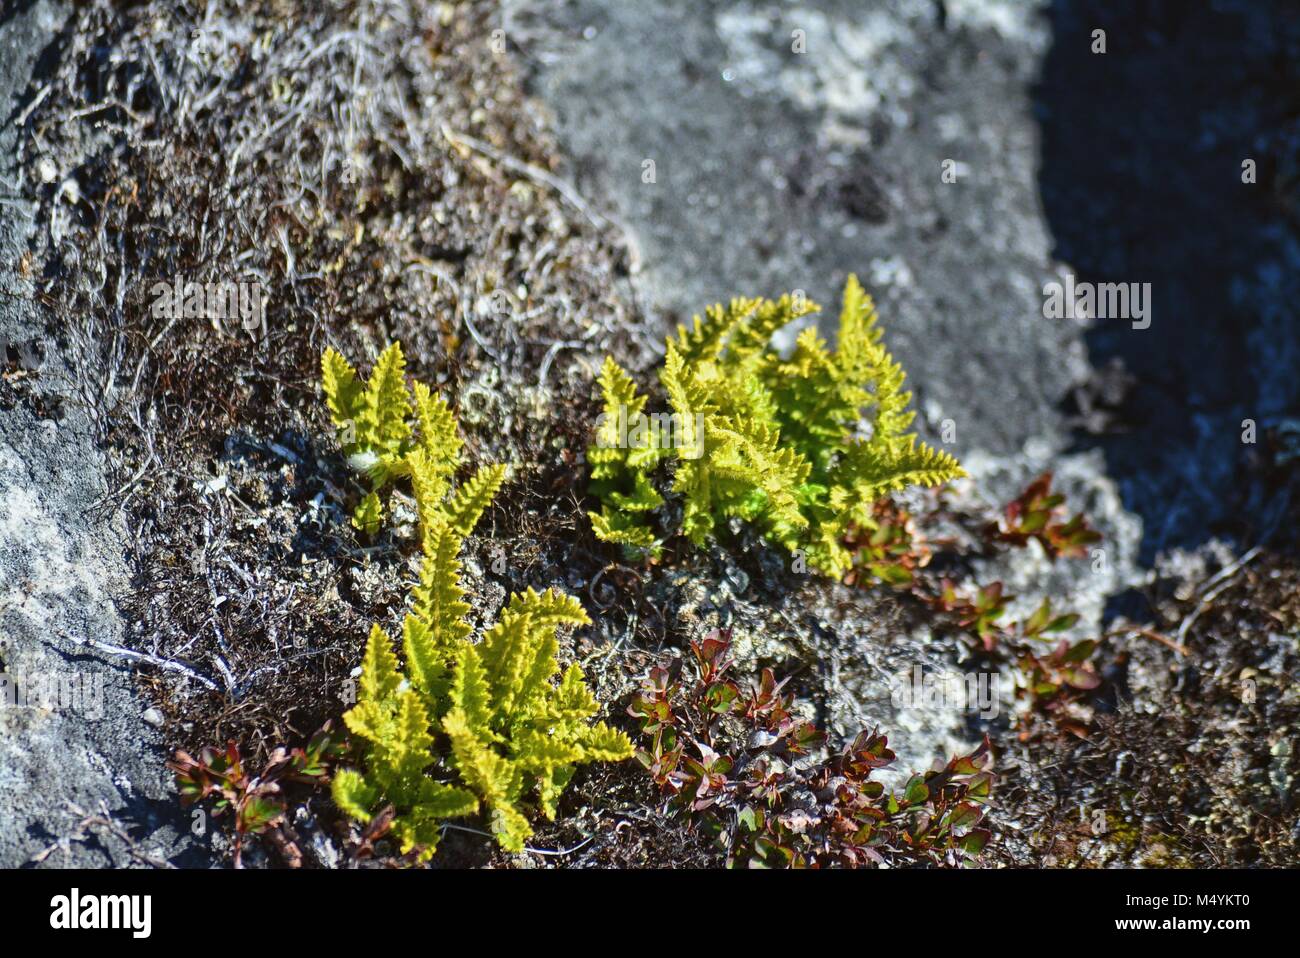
column 379, row 675
column 917, row 791
column 341, row 387
column 473, row 497
column 369, row 514
column 387, row 406
column 353, row 794
column 772, row 441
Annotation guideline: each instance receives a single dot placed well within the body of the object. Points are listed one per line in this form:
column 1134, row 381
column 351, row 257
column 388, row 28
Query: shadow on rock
column 1141, row 176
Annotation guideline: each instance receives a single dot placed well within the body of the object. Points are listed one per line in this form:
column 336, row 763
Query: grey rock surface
column 82, row 781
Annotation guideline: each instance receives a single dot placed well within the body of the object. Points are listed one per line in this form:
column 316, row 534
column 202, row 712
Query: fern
column 803, row 447
column 621, row 464
column 460, row 727
column 377, row 421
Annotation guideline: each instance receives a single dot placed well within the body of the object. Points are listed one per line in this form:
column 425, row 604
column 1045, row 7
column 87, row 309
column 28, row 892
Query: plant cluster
column 889, row 551
column 461, row 725
column 1052, row 678
column 1055, row 676
column 782, row 443
column 389, row 431
column 739, row 762
column 254, row 800
column 1035, row 514
column 982, row 613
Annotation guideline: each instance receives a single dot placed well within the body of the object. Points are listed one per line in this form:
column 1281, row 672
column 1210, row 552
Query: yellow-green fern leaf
column 439, row 438
column 573, row 700
column 342, row 389
column 643, row 498
column 411, row 833
column 430, row 485
column 512, row 650
column 550, row 786
column 408, row 750
column 621, row 529
column 688, row 397
column 491, row 775
column 426, row 658
column 473, row 497
column 538, row 753
column 353, row 794
column 871, row 475
column 387, row 403
column 369, row 514
column 548, row 609
column 621, row 403
column 438, row 599
column 709, row 334
column 510, row 827
column 470, row 693
column 754, row 334
column 858, row 333
column 438, row 800
column 601, row 743
column 379, row 675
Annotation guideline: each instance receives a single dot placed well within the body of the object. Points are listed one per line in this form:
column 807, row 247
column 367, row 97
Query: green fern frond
column 619, row 396
column 620, row 529
column 379, row 675
column 354, row 794
column 470, row 693
column 687, row 394
column 489, row 714
column 755, row 333
column 341, row 387
column 491, row 776
column 508, row 726
column 387, row 405
column 517, row 657
column 870, row 473
column 548, row 609
column 438, row 600
column 778, row 442
column 709, row 333
column 601, row 743
column 467, row 505
column 858, row 333
column 572, row 701
column 389, row 432
column 625, row 452
column 439, row 440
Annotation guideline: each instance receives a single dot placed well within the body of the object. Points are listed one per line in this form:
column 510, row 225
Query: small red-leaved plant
column 737, row 761
column 1036, row 514
column 254, row 800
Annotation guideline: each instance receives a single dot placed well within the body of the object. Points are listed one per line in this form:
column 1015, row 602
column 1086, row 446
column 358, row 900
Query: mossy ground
column 379, row 169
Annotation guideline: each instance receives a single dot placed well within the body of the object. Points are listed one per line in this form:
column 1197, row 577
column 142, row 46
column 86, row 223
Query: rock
column 71, row 747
